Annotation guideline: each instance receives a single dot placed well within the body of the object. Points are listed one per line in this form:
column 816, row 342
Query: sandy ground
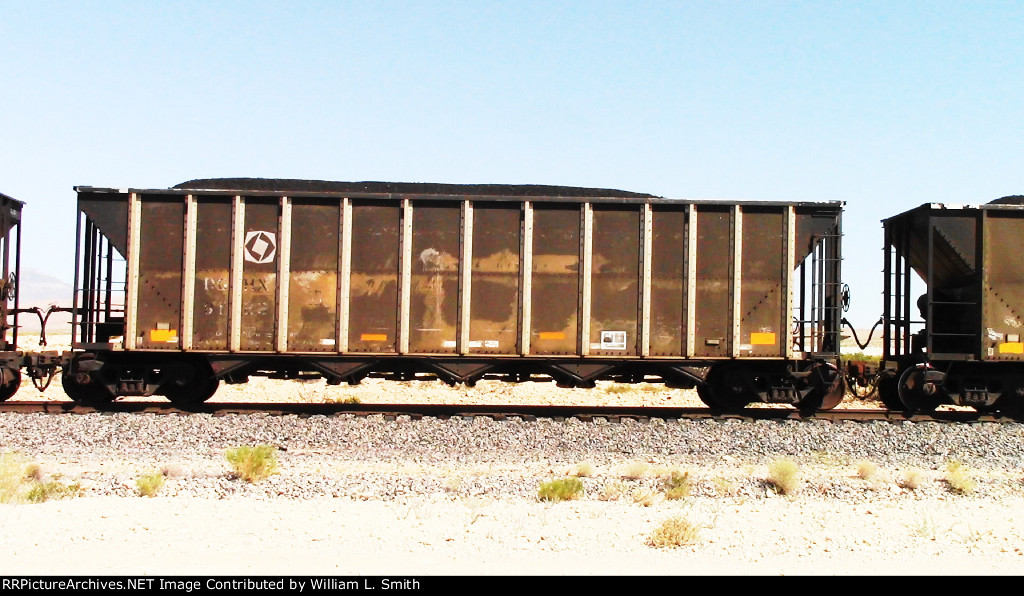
column 789, row 536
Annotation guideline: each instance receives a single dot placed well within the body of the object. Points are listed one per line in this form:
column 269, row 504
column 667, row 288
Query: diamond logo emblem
column 260, row 246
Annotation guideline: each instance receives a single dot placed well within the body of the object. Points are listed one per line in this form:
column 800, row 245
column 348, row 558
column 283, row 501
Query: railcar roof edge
column 992, row 205
column 637, row 198
column 6, row 198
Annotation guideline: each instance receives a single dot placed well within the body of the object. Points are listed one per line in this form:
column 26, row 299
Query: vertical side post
column 736, row 283
column 646, row 238
column 691, row 280
column 237, row 262
column 284, row 251
column 526, row 279
column 586, row 264
column 188, row 277
column 132, row 283
column 788, row 263
column 465, row 277
column 344, row 274
column 405, row 286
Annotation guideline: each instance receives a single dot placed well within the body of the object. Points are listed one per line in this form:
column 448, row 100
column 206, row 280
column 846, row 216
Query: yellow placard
column 552, row 335
column 762, row 339
column 1011, row 347
column 373, row 337
column 163, row 335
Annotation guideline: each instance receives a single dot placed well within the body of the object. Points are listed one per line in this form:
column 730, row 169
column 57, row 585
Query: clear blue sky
column 884, row 105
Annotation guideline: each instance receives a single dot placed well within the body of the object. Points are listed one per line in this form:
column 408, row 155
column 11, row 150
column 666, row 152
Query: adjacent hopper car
column 218, row 280
column 960, row 340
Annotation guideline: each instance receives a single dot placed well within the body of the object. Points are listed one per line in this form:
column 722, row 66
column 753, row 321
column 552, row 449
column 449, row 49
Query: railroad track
column 501, row 412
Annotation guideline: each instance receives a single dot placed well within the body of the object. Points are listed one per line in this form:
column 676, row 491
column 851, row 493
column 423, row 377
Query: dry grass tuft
column 563, row 489
column 913, row 479
column 960, row 478
column 253, row 464
column 149, row 484
column 784, row 476
column 584, row 470
column 677, row 485
column 867, row 470
column 637, row 470
column 22, row 482
column 673, row 532
column 613, row 491
column 644, row 497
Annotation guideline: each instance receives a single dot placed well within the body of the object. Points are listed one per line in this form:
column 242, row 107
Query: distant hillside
column 42, row 290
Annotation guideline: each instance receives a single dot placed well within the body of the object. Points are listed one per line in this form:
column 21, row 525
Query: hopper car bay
column 218, row 280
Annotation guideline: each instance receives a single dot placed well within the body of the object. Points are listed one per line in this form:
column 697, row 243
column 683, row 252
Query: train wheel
column 826, row 388
column 11, row 382
column 920, row 388
column 1011, row 402
column 707, row 395
column 192, row 384
column 85, row 390
column 728, row 387
column 887, row 385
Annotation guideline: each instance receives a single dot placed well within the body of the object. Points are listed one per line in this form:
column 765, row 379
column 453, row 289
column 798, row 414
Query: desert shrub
column 563, row 489
column 615, row 388
column 585, row 470
column 13, row 480
column 677, row 485
column 913, row 479
column 644, row 497
column 784, row 476
column 960, row 478
column 613, row 491
column 673, row 532
column 867, row 469
column 725, row 486
column 53, row 489
column 150, row 484
column 636, row 470
column 253, row 463
column 22, row 482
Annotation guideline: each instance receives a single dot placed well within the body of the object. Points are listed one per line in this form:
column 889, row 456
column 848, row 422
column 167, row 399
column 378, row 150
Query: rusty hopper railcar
column 962, row 340
column 214, row 280
column 10, row 244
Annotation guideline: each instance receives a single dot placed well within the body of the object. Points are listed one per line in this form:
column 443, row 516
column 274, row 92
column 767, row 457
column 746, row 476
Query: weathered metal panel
column 1002, row 328
column 260, row 248
column 668, row 283
column 212, row 277
column 313, row 287
column 615, row 285
column 763, row 278
column 159, row 298
column 713, row 302
column 434, row 296
column 494, row 320
column 555, row 279
column 373, row 304
column 109, row 213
